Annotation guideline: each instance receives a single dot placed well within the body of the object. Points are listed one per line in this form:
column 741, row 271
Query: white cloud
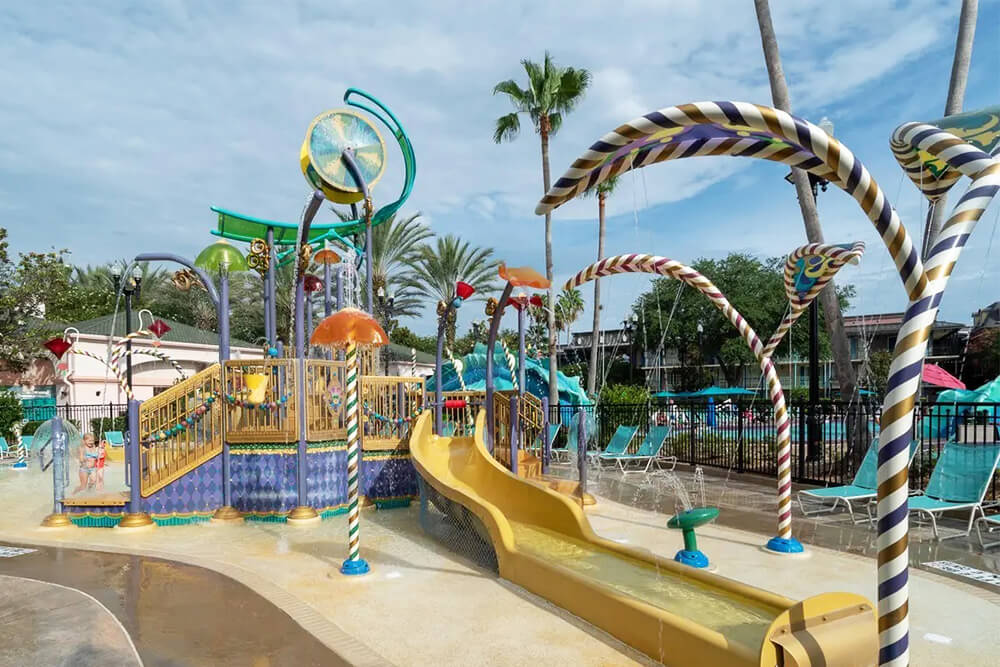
column 125, row 124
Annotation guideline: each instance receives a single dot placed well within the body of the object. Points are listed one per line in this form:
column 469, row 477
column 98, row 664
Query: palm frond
column 507, row 128
column 573, row 84
column 519, row 97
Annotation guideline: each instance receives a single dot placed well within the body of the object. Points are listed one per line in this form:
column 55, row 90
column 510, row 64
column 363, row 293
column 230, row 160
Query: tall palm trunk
column 807, row 204
column 592, row 370
column 954, row 103
column 543, row 126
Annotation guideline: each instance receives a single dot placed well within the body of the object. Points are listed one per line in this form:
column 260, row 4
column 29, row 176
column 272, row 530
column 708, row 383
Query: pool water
column 740, row 621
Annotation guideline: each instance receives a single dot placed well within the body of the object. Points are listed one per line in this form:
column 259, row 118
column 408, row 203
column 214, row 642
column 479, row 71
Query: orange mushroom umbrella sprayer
column 347, row 329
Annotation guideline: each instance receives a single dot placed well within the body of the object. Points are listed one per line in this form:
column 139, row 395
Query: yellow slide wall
column 523, row 517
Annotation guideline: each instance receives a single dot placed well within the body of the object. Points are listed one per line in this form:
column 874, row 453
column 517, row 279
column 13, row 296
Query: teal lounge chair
column 618, row 444
column 114, row 438
column 862, row 489
column 959, row 481
column 561, row 454
column 6, row 451
column 987, row 524
column 647, row 454
column 26, row 442
column 553, row 432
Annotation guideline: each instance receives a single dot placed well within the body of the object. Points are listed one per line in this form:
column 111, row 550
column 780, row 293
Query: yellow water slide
column 676, row 614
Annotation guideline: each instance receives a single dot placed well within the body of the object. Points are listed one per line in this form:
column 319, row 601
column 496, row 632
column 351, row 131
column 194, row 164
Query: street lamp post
column 813, row 433
column 132, row 287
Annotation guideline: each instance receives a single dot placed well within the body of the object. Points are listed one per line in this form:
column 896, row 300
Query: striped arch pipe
column 639, row 263
column 905, row 372
column 836, row 257
column 808, row 147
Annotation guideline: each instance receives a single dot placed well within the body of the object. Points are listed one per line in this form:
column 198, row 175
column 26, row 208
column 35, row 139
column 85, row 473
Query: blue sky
column 123, row 122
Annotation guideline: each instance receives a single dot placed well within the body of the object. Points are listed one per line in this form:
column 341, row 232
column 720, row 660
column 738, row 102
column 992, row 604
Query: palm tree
column 569, row 305
column 846, row 377
column 436, row 269
column 602, row 191
column 552, row 92
column 395, row 246
column 953, row 105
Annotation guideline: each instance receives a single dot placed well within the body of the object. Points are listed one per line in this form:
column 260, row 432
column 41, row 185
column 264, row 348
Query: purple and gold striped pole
column 750, row 130
column 783, row 542
column 354, row 564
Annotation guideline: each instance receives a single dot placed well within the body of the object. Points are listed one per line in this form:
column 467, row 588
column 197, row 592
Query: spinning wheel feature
column 328, row 136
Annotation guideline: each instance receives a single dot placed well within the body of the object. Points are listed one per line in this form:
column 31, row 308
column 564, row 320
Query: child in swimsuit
column 88, row 456
column 102, row 457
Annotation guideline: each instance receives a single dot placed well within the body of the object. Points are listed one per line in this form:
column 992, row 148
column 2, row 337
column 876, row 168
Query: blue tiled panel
column 327, row 478
column 263, row 482
column 388, row 478
column 198, row 491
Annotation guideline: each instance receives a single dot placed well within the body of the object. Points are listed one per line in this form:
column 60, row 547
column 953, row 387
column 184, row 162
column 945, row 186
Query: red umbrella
column 939, row 377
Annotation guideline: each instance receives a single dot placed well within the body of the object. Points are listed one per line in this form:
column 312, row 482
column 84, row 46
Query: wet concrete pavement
column 749, row 503
column 175, row 614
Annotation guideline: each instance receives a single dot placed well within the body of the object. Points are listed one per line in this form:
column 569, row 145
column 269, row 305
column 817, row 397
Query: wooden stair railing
column 180, row 428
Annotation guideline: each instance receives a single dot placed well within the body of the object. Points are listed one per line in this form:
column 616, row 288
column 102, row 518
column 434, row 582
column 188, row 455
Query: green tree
column 602, row 191
column 403, row 336
column 756, row 290
column 552, row 92
column 11, row 414
column 439, row 266
column 878, row 370
column 569, row 306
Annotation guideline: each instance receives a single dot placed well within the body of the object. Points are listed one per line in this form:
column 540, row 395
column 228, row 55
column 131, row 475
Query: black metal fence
column 87, row 418
column 740, row 436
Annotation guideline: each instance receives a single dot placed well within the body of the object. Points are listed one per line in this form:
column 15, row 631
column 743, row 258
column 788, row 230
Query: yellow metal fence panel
column 180, row 428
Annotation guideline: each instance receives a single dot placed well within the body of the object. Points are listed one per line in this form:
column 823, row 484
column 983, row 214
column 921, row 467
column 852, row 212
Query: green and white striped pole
column 354, row 564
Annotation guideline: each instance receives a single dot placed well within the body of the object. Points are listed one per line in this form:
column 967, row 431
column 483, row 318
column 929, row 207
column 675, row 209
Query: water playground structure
column 312, row 431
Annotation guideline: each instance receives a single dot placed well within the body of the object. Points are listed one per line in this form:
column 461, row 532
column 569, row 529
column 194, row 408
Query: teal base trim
column 266, row 518
column 95, row 521
column 326, row 514
column 182, row 520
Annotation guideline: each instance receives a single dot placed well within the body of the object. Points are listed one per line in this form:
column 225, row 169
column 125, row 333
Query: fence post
column 694, row 428
column 804, row 417
column 546, row 445
column 514, row 433
column 581, row 450
column 739, row 436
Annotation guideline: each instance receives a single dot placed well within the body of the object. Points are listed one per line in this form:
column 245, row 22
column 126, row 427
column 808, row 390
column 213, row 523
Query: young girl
column 88, row 456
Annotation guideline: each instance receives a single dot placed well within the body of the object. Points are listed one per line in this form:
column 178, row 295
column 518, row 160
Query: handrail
column 389, row 406
column 180, row 429
column 267, row 418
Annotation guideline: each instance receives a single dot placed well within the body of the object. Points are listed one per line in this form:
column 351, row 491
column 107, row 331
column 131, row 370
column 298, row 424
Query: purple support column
column 521, row 370
column 327, row 289
column 514, row 433
column 223, row 314
column 303, row 512
column 272, row 304
column 581, row 450
column 491, row 342
column 546, row 445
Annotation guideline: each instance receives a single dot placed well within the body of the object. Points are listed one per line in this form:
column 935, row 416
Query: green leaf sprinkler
column 687, row 521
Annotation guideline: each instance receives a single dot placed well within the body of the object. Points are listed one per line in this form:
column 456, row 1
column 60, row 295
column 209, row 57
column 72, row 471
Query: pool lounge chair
column 987, row 524
column 6, row 451
column 114, row 438
column 26, row 442
column 561, row 454
column 618, row 444
column 959, row 481
column 647, row 454
column 861, row 490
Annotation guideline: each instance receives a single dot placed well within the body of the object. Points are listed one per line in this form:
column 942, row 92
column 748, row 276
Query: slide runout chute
column 673, row 613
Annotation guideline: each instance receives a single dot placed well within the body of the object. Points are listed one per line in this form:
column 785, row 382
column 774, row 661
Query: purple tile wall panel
column 264, row 482
column 198, row 491
column 388, row 478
